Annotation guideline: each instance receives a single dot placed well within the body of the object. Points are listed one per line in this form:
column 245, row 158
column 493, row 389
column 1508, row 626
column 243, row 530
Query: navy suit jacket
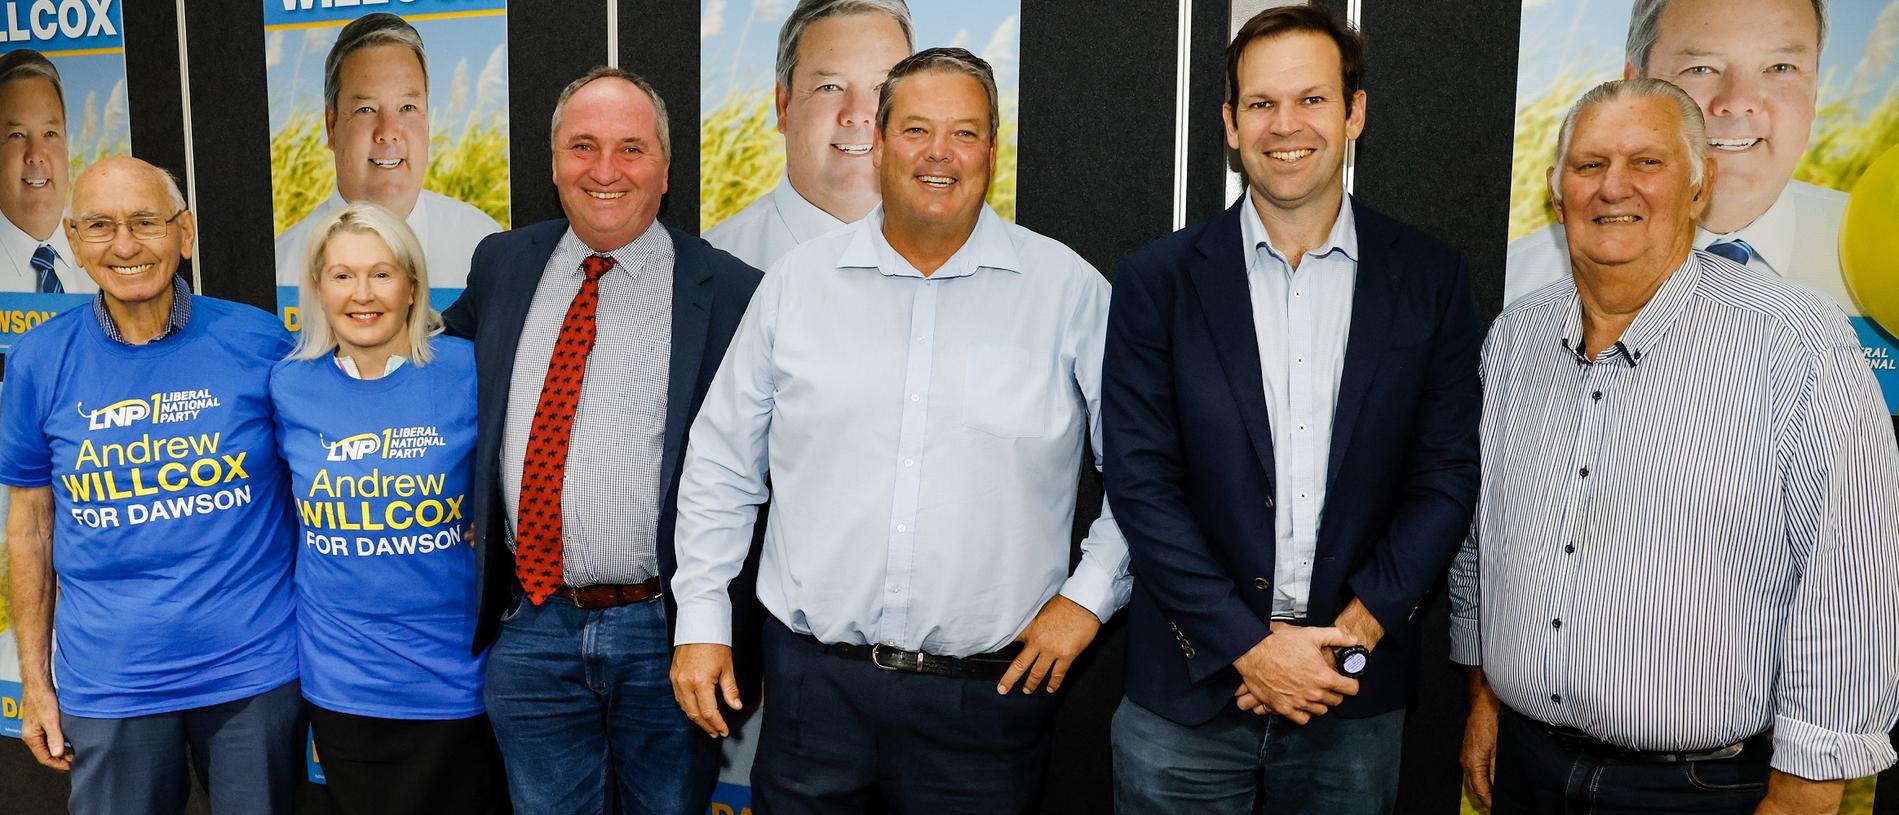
column 1189, row 458
column 710, row 292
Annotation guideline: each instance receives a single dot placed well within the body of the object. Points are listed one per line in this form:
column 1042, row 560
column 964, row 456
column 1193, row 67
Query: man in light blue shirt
column 918, row 387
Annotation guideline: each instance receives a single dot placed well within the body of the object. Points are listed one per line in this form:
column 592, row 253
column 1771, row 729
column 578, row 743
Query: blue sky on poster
column 1587, row 35
column 94, row 85
column 738, row 39
column 468, row 68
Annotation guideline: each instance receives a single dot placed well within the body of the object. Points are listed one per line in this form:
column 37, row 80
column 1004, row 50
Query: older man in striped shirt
column 1680, row 593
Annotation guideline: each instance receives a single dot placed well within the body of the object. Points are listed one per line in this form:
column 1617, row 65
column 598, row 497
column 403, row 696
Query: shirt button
column 922, row 340
column 903, row 528
column 916, row 397
column 896, row 589
column 909, row 462
column 1584, row 472
column 1557, row 698
column 1556, row 623
column 1596, row 396
column 1302, row 428
column 1260, row 583
column 1299, row 360
column 1569, row 548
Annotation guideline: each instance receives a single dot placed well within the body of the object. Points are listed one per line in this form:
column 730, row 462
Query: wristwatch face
column 1354, row 662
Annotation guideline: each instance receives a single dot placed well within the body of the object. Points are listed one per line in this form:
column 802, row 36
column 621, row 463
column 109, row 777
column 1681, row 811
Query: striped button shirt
column 610, row 498
column 1694, row 536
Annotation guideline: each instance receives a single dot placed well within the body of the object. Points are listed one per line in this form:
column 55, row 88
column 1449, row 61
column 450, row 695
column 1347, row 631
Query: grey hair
column 317, row 337
column 949, row 60
column 1645, row 23
column 606, row 72
column 810, row 12
column 26, row 63
column 369, row 30
column 1694, row 129
column 172, row 193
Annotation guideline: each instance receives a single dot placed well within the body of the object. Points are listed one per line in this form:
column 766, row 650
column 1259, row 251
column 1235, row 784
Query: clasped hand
column 1291, row 673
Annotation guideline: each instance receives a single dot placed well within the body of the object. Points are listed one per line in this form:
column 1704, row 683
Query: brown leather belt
column 610, row 595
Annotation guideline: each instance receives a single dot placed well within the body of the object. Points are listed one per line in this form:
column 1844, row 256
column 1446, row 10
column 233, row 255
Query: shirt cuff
column 1818, row 754
column 1466, row 642
column 704, row 620
column 1091, row 588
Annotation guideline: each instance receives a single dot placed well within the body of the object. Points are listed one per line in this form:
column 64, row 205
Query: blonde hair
column 318, row 338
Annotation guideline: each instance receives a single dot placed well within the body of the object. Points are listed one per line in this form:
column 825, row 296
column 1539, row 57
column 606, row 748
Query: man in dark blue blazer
column 641, row 315
column 1289, row 415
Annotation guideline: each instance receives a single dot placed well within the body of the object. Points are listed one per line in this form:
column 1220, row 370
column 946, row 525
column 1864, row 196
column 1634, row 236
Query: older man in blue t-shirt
column 149, row 503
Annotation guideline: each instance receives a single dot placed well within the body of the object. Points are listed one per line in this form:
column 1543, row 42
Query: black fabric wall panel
column 660, row 41
column 550, row 43
column 154, row 97
column 230, row 124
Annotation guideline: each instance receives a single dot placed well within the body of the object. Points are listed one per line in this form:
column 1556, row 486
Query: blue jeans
column 1242, row 763
column 581, row 700
column 1537, row 772
column 247, row 753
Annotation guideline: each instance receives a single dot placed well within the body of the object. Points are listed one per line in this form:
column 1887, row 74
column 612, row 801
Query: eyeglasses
column 144, row 227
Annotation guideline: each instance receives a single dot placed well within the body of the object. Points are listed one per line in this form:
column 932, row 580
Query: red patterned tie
column 537, row 533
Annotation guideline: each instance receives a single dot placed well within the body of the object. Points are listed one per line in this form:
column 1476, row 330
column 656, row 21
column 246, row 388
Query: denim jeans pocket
column 1726, row 775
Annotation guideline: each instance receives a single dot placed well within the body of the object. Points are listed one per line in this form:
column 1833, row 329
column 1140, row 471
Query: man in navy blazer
column 1289, row 414
column 577, row 678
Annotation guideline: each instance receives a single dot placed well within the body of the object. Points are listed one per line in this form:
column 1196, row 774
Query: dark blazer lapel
column 1220, row 281
column 1373, row 290
column 692, row 316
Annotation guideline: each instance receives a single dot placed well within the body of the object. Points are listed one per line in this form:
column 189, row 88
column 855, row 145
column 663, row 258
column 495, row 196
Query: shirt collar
column 629, row 259
column 348, row 365
column 803, row 218
column 989, row 247
column 1650, row 324
column 1772, row 235
column 180, row 312
column 418, row 219
column 16, row 244
column 1343, row 237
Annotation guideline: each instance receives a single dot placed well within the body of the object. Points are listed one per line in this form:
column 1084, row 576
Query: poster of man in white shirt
column 1792, row 92
column 362, row 111
column 788, row 102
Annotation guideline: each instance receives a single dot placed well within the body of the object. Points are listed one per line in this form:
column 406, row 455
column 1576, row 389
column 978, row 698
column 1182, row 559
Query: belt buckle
column 876, row 658
column 573, row 595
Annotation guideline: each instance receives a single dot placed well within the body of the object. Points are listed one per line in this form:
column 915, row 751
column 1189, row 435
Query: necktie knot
column 596, row 265
column 1734, row 250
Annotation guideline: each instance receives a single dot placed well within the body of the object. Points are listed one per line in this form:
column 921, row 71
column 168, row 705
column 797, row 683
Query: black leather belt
column 990, row 666
column 609, row 595
column 1578, row 741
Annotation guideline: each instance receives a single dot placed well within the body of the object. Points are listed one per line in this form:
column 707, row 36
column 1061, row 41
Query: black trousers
column 409, row 766
column 841, row 736
column 1537, row 773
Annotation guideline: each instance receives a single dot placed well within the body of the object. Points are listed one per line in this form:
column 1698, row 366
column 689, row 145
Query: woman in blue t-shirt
column 376, row 418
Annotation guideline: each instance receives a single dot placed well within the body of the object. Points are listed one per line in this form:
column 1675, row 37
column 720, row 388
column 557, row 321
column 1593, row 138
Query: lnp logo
column 353, row 448
column 118, row 414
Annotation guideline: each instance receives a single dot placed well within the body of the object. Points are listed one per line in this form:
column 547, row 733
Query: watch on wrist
column 1351, row 660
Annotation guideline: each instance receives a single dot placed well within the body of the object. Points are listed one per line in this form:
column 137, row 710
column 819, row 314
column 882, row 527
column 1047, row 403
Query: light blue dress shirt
column 1302, row 318
column 921, row 434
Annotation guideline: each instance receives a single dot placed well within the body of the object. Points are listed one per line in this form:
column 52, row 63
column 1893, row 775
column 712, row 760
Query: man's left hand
column 1058, row 634
column 1792, row 795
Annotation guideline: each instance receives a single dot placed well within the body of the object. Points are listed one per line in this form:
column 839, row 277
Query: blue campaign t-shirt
column 172, row 532
column 385, row 566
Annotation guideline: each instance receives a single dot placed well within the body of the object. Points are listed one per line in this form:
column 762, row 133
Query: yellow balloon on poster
column 1869, row 242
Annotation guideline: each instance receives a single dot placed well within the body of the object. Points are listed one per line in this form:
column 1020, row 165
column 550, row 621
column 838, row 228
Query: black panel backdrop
column 1097, row 142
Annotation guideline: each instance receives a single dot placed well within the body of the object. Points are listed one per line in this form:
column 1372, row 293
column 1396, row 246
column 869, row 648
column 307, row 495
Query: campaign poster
column 356, row 115
column 1807, row 149
column 63, row 102
column 785, row 163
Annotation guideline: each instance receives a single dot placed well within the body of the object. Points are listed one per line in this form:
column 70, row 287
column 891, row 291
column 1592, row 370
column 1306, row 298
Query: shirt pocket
column 1002, row 391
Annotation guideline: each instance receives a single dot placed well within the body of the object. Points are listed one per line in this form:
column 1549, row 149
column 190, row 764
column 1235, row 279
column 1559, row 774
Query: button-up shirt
column 611, row 492
column 774, row 224
column 1689, row 538
column 921, row 433
column 175, row 319
column 1301, row 317
column 16, row 261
